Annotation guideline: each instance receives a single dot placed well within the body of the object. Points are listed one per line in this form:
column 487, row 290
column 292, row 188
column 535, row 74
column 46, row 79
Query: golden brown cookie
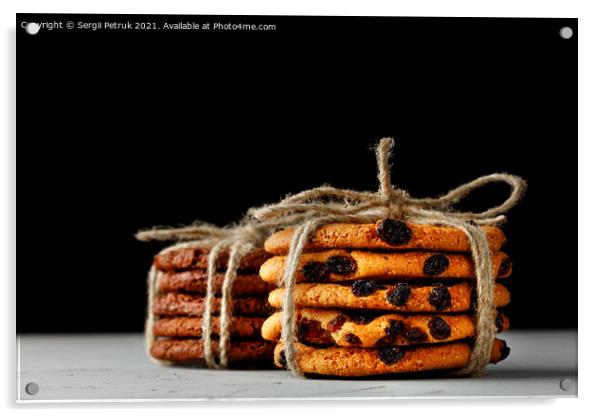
column 191, row 327
column 175, row 304
column 196, row 258
column 191, row 350
column 349, row 362
column 195, row 281
column 388, row 234
column 397, row 297
column 341, row 265
column 365, row 329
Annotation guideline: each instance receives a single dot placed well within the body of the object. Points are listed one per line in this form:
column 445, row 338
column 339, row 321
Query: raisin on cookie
column 358, row 329
column 339, row 265
column 357, row 362
column 398, row 297
column 386, row 234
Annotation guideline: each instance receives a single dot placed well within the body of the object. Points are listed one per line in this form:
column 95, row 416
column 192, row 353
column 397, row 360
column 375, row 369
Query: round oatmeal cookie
column 341, row 265
column 256, row 352
column 386, row 234
column 356, row 362
column 195, row 281
column 398, row 297
column 191, row 327
column 368, row 329
column 176, row 304
column 196, row 258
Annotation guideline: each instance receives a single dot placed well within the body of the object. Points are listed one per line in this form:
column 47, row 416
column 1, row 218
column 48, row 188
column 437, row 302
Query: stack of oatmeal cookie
column 179, row 307
column 383, row 298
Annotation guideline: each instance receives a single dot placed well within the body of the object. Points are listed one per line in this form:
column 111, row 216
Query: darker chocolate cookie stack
column 384, row 298
column 180, row 303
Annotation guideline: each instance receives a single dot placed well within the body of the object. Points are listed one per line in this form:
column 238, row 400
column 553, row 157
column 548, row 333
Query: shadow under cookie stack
column 179, row 304
column 384, row 298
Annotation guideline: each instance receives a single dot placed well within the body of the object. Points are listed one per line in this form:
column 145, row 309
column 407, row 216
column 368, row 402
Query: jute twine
column 237, row 240
column 319, row 206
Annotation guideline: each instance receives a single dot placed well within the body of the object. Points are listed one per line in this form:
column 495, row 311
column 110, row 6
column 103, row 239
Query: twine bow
column 322, row 205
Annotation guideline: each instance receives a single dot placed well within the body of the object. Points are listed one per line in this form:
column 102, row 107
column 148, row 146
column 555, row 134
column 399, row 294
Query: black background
column 122, row 130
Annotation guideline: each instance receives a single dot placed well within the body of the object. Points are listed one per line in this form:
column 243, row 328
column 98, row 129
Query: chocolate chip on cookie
column 390, row 355
column 440, row 298
column 364, row 288
column 315, row 271
column 399, row 294
column 393, row 232
column 336, row 323
column 415, row 335
column 352, row 339
column 396, row 328
column 439, row 328
column 341, row 265
column 436, row 264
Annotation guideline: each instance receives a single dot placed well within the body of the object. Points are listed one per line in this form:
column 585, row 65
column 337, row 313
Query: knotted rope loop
column 392, row 201
column 307, row 204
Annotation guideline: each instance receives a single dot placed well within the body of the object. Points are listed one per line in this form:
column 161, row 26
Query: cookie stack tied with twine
column 207, row 284
column 384, row 283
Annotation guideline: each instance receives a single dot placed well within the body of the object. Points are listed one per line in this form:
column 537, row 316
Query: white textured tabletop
column 115, row 367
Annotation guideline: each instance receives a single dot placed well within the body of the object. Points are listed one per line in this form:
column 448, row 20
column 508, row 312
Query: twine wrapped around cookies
column 323, row 205
column 238, row 240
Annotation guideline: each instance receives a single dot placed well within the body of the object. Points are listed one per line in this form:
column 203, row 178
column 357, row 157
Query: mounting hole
column 566, row 384
column 32, row 388
column 566, row 32
column 32, row 28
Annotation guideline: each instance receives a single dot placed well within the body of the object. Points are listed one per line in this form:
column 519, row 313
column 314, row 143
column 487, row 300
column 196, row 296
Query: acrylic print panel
column 149, row 120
